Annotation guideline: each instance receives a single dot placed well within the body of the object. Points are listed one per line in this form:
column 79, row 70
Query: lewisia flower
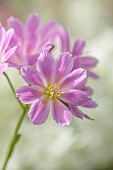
column 5, row 51
column 53, row 87
column 80, row 60
column 31, row 39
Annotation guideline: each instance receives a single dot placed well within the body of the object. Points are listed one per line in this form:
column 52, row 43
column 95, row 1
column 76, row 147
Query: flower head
column 55, row 88
column 5, row 51
column 31, row 39
column 80, row 60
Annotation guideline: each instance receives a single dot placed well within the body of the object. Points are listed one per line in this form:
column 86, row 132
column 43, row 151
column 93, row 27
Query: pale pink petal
column 18, row 27
column 49, row 33
column 8, row 37
column 87, row 117
column 31, row 75
column 2, row 36
column 75, row 79
column 77, row 62
column 32, row 23
column 64, row 40
column 38, row 112
column 15, row 41
column 3, row 67
column 28, row 94
column 67, row 41
column 92, row 75
column 48, row 48
column 60, row 113
column 87, row 89
column 48, row 29
column 91, row 104
column 78, row 113
column 78, row 47
column 32, row 34
column 77, row 97
column 8, row 54
column 46, row 65
column 17, row 61
column 32, row 43
column 31, row 59
column 64, row 65
column 2, row 32
column 88, row 62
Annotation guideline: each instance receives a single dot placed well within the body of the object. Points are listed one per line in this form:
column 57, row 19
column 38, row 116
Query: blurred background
column 84, row 145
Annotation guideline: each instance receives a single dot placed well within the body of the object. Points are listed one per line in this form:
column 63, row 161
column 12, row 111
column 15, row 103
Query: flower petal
column 46, row 65
column 87, row 89
column 64, row 40
column 64, row 65
column 8, row 37
column 48, row 30
column 38, row 112
column 75, row 79
column 31, row 76
column 67, row 41
column 87, row 117
column 17, row 61
column 28, row 94
column 18, row 27
column 78, row 113
column 32, row 23
column 60, row 113
column 93, row 75
column 32, row 43
column 3, row 67
column 77, row 62
column 75, row 97
column 88, row 62
column 32, row 35
column 8, row 54
column 78, row 47
column 31, row 59
column 2, row 36
column 91, row 104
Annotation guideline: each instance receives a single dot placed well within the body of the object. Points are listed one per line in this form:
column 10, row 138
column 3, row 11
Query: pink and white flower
column 80, row 60
column 54, row 88
column 5, row 51
column 31, row 38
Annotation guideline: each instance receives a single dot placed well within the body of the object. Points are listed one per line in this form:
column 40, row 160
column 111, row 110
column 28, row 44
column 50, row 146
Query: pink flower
column 31, row 39
column 80, row 60
column 54, row 88
column 5, row 51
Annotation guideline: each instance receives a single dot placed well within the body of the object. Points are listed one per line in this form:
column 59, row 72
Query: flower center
column 31, row 52
column 53, row 91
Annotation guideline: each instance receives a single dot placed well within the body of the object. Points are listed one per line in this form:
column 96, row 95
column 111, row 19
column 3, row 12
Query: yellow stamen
column 31, row 52
column 53, row 91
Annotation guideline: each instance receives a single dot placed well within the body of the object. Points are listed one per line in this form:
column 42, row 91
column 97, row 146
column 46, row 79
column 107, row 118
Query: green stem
column 14, row 140
column 13, row 90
